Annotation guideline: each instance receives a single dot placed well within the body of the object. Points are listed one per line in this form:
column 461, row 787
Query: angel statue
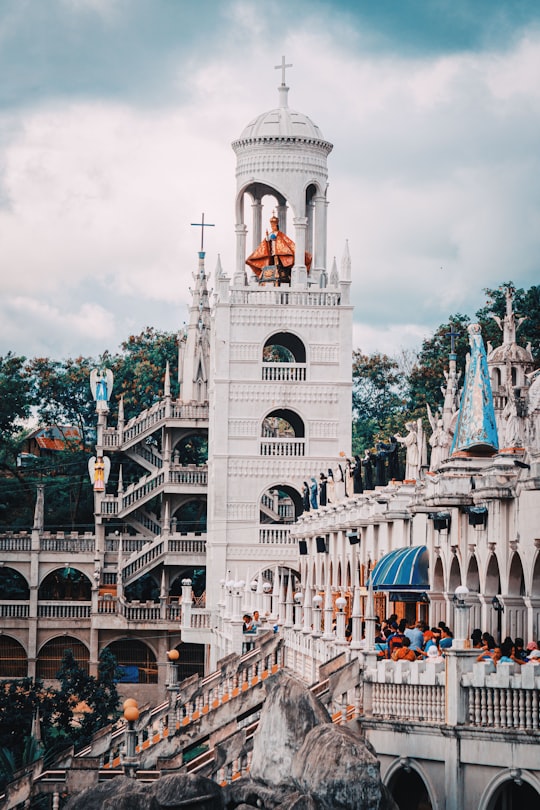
column 101, row 385
column 99, row 469
column 439, row 441
column 414, row 449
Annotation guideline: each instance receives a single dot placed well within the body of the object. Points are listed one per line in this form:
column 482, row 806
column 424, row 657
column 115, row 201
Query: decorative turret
column 510, row 366
column 196, row 351
column 476, row 429
column 283, row 154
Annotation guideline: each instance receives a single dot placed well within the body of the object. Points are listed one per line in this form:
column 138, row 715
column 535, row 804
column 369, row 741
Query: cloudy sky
column 116, row 118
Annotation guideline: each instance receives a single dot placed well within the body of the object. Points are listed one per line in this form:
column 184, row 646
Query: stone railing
column 278, row 535
column 285, row 297
column 140, row 613
column 64, row 610
column 129, row 544
column 69, row 544
column 197, row 698
column 150, row 420
column 148, row 454
column 283, row 447
column 193, row 475
column 142, row 489
column 15, row 542
column 14, row 610
column 505, row 698
column 156, row 549
column 284, row 372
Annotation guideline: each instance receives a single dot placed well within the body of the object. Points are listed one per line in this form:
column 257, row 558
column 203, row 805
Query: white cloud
column 434, row 179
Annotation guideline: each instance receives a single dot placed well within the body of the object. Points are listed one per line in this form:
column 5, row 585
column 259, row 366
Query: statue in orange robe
column 275, row 251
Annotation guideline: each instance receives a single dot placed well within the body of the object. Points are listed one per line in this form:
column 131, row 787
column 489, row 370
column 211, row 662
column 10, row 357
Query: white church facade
column 227, row 515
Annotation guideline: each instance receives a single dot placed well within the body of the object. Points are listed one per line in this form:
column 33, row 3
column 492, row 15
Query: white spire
column 346, row 263
column 334, row 275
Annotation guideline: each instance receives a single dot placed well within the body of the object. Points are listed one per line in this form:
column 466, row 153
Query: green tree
column 140, row 370
column 377, row 398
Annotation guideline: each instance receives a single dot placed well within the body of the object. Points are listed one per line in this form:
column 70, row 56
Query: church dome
column 512, row 353
column 282, row 122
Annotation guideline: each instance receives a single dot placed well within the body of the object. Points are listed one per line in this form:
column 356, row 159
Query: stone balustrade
column 506, row 697
column 279, row 535
column 278, row 296
column 64, row 610
column 283, row 447
column 284, row 372
column 14, row 610
column 15, row 542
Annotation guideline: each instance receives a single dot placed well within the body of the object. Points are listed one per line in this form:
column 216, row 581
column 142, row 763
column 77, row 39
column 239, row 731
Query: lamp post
column 172, row 688
column 341, row 603
column 499, row 609
column 317, row 615
column 462, row 618
column 131, row 715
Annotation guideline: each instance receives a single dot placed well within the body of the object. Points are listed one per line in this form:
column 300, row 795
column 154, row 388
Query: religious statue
column 368, row 469
column 305, row 496
column 512, row 424
column 98, row 470
column 533, row 409
column 380, row 464
column 273, row 259
column 339, row 478
column 322, row 489
column 101, row 384
column 393, row 460
column 358, row 486
column 331, row 486
column 313, row 493
column 411, row 442
column 439, row 441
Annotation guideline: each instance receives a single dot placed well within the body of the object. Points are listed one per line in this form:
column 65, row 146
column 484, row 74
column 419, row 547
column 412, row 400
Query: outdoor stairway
column 148, row 422
column 160, row 550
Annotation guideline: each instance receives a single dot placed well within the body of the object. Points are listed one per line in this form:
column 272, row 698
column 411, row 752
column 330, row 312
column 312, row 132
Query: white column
column 241, row 235
column 319, row 234
column 281, row 211
column 299, row 272
column 257, row 224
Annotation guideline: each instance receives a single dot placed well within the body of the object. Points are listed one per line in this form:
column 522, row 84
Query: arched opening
column 136, row 659
column 13, row 585
column 67, row 584
column 284, row 347
column 190, row 517
column 198, row 582
column 144, row 589
column 409, row 791
column 13, row 659
column 512, row 795
column 516, row 578
column 280, row 504
column 438, row 576
column 535, row 585
column 454, row 578
column 493, row 577
column 473, row 577
column 50, row 656
column 192, row 449
column 496, row 379
column 281, row 424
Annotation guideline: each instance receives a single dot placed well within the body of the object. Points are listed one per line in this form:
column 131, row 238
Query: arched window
column 284, row 358
column 192, row 449
column 280, row 504
column 13, row 659
column 283, row 434
column 407, row 787
column 516, row 579
column 511, row 794
column 136, row 659
column 144, row 589
column 191, row 661
column 50, row 656
column 198, row 582
column 190, row 518
column 13, row 585
column 66, row 584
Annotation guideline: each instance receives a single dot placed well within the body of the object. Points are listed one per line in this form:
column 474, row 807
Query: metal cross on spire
column 202, row 225
column 283, row 67
column 452, row 334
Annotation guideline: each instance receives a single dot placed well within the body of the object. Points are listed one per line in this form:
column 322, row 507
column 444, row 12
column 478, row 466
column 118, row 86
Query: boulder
column 118, row 793
column 289, row 713
column 338, row 769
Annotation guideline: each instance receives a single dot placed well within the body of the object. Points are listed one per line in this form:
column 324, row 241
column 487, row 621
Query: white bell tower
column 281, row 356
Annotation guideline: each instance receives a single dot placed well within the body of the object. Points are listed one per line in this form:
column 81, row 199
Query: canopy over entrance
column 405, row 569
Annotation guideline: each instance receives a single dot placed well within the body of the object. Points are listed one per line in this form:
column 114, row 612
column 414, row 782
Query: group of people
column 509, row 651
column 251, row 623
column 410, row 641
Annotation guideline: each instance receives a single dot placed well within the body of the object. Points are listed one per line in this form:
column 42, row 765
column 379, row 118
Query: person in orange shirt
column 404, row 653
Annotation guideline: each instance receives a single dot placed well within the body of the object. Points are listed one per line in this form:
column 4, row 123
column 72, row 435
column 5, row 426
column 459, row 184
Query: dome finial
column 283, row 90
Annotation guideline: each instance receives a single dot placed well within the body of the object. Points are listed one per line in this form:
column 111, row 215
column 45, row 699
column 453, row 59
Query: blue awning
column 402, row 569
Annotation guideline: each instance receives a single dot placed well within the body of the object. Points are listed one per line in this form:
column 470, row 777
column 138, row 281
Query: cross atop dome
column 283, row 90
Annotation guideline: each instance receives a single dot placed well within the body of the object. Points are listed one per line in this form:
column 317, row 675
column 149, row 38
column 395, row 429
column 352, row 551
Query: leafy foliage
column 377, row 398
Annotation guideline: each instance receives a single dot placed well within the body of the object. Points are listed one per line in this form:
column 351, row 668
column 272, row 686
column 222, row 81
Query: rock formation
column 300, row 761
